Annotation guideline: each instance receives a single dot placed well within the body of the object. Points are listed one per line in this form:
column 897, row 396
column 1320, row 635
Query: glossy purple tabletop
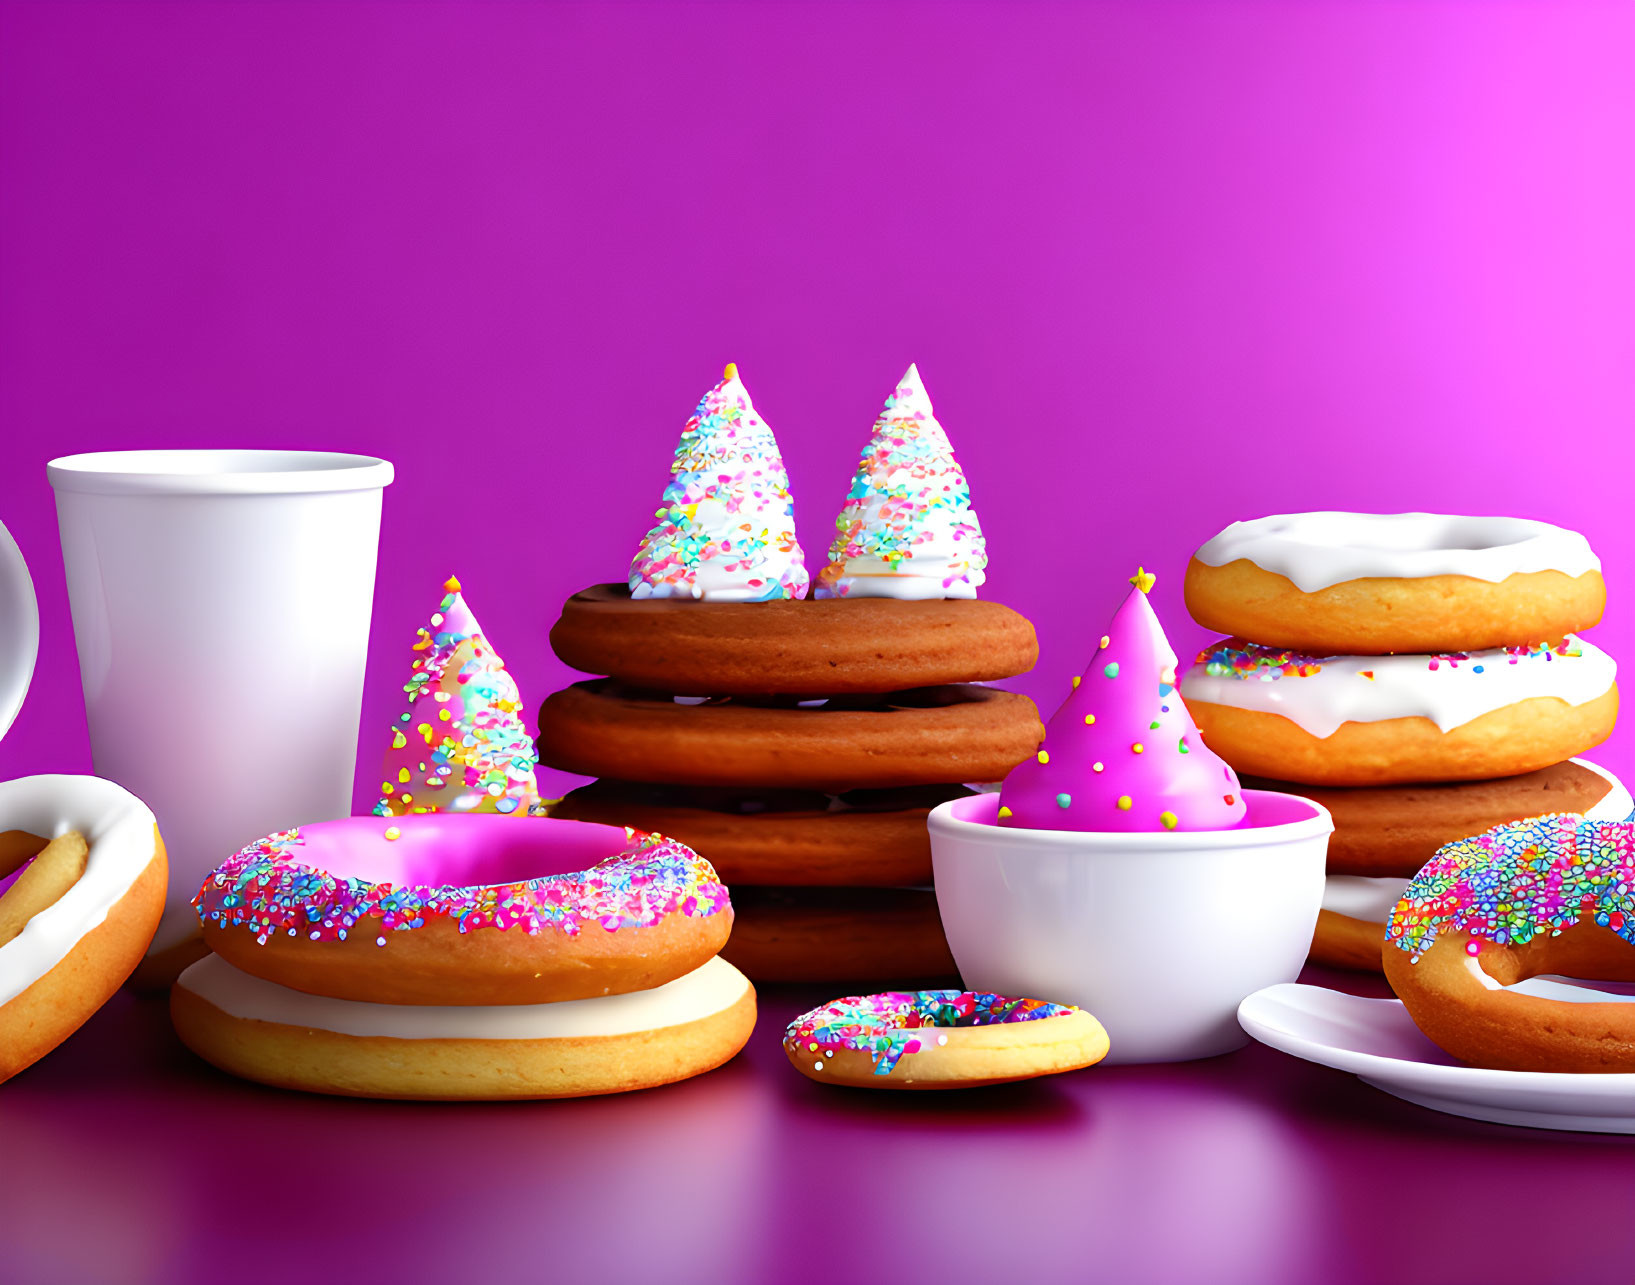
column 124, row 1159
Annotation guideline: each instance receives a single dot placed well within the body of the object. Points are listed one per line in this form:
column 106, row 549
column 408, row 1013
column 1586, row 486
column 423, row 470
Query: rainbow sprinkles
column 268, row 889
column 1520, row 881
column 895, row 1024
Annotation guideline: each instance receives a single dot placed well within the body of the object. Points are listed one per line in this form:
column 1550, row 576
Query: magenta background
column 1162, row 265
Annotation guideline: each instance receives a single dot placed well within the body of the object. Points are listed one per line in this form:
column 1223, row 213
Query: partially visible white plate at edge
column 1377, row 1041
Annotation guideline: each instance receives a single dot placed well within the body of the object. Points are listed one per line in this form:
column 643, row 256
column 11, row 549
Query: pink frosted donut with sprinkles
column 472, row 909
column 940, row 1039
column 1551, row 896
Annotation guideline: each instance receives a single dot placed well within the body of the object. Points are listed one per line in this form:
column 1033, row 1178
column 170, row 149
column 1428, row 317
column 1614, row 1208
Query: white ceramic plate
column 1376, row 1040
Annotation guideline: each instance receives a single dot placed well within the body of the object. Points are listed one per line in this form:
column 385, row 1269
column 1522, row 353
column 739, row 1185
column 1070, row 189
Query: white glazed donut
column 73, row 954
column 1380, row 720
column 1403, row 582
column 266, row 1032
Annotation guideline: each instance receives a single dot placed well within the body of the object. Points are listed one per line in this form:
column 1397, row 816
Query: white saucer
column 1377, row 1041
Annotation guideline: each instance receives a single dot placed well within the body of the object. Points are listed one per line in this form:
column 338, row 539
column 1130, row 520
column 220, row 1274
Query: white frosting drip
column 712, row 988
column 1457, row 691
column 1318, row 550
column 117, row 826
column 1372, row 899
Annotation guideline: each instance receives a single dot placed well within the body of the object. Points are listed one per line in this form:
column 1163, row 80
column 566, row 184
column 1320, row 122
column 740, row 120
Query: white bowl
column 1160, row 935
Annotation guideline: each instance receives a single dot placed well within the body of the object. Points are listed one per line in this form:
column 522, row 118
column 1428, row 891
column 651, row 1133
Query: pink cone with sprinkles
column 725, row 528
column 1122, row 753
column 458, row 744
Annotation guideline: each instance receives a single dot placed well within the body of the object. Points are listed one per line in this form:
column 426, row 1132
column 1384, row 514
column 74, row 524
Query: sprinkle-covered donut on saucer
column 464, row 956
column 940, row 1039
column 1401, row 582
column 1553, row 895
column 1126, row 824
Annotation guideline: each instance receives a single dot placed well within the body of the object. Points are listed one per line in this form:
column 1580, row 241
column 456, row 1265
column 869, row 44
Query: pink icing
column 1122, row 753
column 482, row 871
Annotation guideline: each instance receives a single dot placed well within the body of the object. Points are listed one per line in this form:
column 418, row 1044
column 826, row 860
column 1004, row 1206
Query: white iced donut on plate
column 82, row 928
column 1371, row 583
column 266, row 1032
column 1351, row 925
column 1385, row 720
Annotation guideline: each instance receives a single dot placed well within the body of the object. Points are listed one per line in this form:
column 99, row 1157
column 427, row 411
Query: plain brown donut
column 1395, row 829
column 799, row 840
column 1378, row 615
column 922, row 737
column 1521, row 737
column 1509, row 1032
column 817, row 646
column 891, row 936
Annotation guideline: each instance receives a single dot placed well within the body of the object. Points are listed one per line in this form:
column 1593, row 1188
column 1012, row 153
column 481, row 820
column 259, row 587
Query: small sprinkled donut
column 1553, row 895
column 1402, row 582
column 891, row 935
column 823, row 647
column 473, row 908
column 926, row 736
column 865, row 838
column 82, row 886
column 260, row 1031
column 1387, row 720
column 942, row 1039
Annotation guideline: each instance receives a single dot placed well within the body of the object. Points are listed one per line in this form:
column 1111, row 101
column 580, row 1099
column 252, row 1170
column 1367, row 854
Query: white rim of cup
column 942, row 820
column 217, row 472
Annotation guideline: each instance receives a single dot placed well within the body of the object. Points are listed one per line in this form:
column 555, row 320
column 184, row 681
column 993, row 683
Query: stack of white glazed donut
column 1419, row 675
column 474, row 956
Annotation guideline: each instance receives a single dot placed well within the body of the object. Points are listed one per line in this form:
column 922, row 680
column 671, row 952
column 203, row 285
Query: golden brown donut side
column 82, row 981
column 1396, row 829
column 972, row 1057
column 1522, row 737
column 1340, row 941
column 596, row 731
column 293, row 1057
column 804, row 647
column 891, row 935
column 1495, row 1028
column 1374, row 616
column 438, row 964
column 809, row 849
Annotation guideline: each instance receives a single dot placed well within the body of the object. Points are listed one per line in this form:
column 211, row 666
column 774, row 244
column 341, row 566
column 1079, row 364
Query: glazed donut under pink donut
column 469, row 909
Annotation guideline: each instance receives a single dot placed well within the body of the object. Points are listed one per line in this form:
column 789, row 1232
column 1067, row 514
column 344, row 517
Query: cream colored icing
column 1317, row 550
column 711, row 988
column 119, row 829
column 1372, row 899
column 1450, row 691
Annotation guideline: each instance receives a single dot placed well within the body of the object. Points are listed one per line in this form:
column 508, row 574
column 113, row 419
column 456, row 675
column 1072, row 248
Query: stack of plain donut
column 1419, row 675
column 473, row 956
column 798, row 745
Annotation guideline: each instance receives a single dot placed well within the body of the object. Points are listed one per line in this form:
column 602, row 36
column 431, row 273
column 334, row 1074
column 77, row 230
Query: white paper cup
column 221, row 604
column 1160, row 935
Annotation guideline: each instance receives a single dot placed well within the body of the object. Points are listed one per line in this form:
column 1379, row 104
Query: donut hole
column 439, row 850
